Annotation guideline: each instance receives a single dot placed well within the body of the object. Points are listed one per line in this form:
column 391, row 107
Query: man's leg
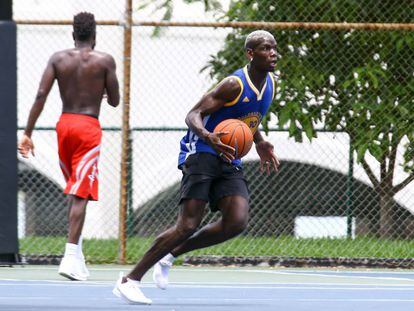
column 235, row 214
column 234, row 219
column 77, row 213
column 71, row 266
column 190, row 216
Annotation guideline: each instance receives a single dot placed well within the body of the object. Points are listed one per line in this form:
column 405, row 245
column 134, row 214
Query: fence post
column 126, row 134
column 349, row 205
column 130, row 201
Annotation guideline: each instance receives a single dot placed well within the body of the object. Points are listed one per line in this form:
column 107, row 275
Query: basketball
column 239, row 136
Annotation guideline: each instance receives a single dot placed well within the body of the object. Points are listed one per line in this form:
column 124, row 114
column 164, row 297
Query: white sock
column 168, row 258
column 133, row 281
column 79, row 252
column 71, row 249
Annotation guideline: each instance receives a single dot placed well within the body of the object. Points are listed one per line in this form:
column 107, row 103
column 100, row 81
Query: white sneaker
column 81, row 257
column 84, row 269
column 161, row 269
column 116, row 291
column 131, row 292
column 70, row 267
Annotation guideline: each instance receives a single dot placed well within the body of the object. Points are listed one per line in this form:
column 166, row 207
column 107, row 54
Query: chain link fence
column 341, row 125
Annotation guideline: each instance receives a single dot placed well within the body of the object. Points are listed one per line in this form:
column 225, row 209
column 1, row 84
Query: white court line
column 256, row 300
column 270, row 270
column 212, row 284
column 287, row 299
column 353, row 271
column 30, row 298
column 326, row 273
column 232, row 269
column 307, row 273
column 325, row 287
column 357, row 300
column 288, row 285
column 331, row 276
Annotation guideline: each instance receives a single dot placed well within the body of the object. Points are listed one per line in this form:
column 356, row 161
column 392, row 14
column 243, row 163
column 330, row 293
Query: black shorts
column 207, row 177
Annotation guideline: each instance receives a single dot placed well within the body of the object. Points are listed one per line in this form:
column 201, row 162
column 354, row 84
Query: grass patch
column 106, row 251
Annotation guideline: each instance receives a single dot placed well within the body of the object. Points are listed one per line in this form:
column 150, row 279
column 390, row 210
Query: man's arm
column 265, row 150
column 26, row 145
column 257, row 136
column 111, row 83
column 225, row 92
column 46, row 83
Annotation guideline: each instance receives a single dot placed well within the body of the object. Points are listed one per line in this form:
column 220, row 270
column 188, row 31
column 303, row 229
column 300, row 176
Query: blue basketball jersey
column 250, row 106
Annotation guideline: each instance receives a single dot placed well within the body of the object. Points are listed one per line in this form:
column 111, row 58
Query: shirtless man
column 83, row 76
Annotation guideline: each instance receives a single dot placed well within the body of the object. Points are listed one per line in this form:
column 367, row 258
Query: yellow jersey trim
column 234, row 101
column 272, row 77
column 254, row 88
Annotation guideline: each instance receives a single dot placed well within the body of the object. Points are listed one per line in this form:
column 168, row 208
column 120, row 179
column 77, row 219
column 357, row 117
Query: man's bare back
column 84, row 76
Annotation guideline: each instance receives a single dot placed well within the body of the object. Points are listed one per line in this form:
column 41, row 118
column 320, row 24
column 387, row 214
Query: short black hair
column 84, row 26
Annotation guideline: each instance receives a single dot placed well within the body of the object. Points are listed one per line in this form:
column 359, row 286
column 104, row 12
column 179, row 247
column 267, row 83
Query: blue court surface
column 202, row 288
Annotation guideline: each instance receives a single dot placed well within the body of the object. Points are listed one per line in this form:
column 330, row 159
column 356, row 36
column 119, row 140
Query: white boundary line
column 256, row 300
column 302, row 273
column 236, row 269
column 331, row 275
column 291, row 286
column 226, row 269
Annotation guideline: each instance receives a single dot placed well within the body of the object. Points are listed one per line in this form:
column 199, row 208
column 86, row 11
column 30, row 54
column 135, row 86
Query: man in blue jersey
column 211, row 174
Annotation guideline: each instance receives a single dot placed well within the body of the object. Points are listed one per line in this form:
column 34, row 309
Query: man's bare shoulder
column 103, row 55
column 228, row 89
column 104, row 58
column 60, row 54
column 230, row 84
column 72, row 51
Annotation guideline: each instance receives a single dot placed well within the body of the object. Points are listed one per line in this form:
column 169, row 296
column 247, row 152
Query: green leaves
column 167, row 8
column 361, row 82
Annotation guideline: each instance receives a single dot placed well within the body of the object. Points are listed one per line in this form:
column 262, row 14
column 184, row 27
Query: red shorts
column 79, row 142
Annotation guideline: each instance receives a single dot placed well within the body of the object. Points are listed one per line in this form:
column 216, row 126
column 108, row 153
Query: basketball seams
column 227, row 124
column 233, row 127
column 231, row 142
column 244, row 139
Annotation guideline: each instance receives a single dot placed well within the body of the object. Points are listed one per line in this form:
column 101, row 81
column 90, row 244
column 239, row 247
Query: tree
column 359, row 82
column 167, row 8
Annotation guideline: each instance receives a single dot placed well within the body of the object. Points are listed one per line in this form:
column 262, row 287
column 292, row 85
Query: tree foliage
column 167, row 6
column 361, row 82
